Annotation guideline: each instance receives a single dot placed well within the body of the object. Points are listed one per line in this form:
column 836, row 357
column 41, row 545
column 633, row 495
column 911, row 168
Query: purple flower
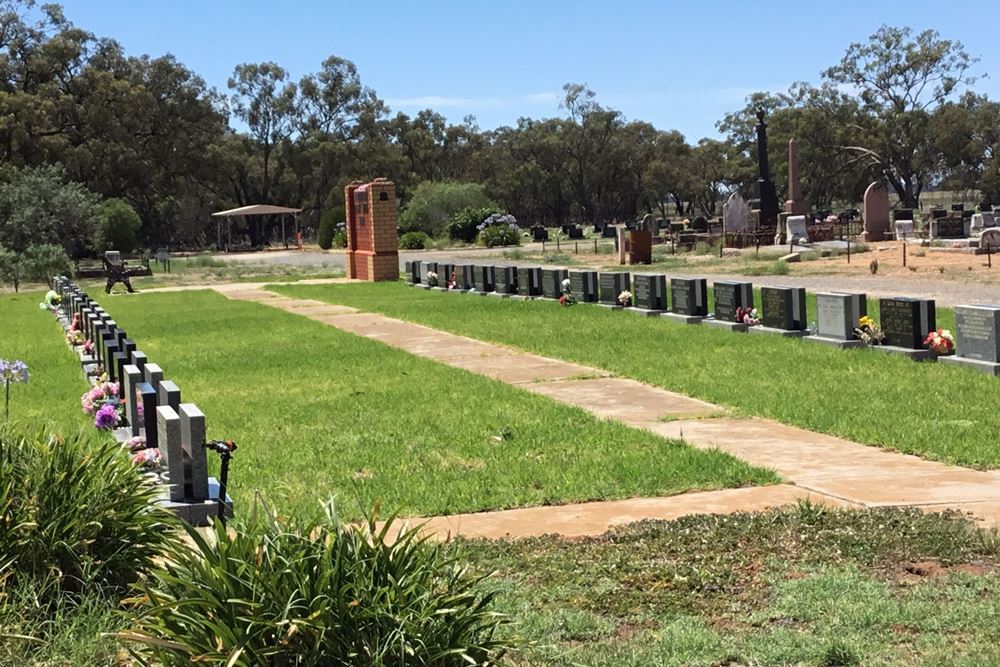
column 106, row 418
column 12, row 372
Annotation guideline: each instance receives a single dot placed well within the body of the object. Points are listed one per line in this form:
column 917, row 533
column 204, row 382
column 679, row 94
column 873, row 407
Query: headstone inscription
column 837, row 315
column 784, row 308
column 649, row 292
column 977, row 338
column 529, row 281
column 689, row 297
column 952, row 227
column 611, row 285
column 583, row 285
column 506, row 280
column 906, row 322
column 730, row 295
column 552, row 283
column 485, row 279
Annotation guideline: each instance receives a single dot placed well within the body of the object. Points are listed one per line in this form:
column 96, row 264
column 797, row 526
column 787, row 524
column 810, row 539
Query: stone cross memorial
column 529, row 281
column 583, row 285
column 906, row 322
column 837, row 315
column 649, row 293
column 552, row 283
column 977, row 338
column 610, row 286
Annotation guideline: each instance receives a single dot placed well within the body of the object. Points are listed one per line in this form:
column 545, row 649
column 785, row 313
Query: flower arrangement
column 12, row 372
column 869, row 331
column 106, row 417
column 432, row 278
column 499, row 229
column 940, row 341
column 100, row 394
column 566, row 298
column 625, row 298
column 747, row 316
column 148, row 459
column 75, row 338
column 75, row 324
column 134, row 444
column 453, row 281
column 88, row 347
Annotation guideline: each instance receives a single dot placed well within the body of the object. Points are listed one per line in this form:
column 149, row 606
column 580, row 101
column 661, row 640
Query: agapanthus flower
column 13, row 372
column 106, row 418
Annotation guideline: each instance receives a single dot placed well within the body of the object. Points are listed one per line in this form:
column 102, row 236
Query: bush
column 38, row 263
column 434, row 203
column 311, row 592
column 75, row 516
column 463, row 226
column 499, row 230
column 117, row 225
column 328, row 227
column 414, row 241
column 340, row 238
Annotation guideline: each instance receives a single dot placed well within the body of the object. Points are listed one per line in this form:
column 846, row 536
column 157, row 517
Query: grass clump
column 316, row 592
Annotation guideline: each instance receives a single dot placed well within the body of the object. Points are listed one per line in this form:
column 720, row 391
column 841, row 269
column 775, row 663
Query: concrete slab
column 626, row 400
column 526, row 368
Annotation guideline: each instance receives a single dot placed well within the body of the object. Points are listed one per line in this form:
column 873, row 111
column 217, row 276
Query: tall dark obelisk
column 766, row 199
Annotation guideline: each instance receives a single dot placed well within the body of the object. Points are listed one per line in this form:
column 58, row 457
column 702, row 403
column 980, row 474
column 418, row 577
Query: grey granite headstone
column 583, row 285
column 506, row 280
column 552, row 282
column 153, row 375
column 906, row 322
column 133, row 377
column 689, row 296
column 837, row 314
column 611, row 285
column 193, row 443
column 783, row 308
column 168, row 428
column 730, row 295
column 529, row 281
column 168, row 393
column 977, row 333
column 139, row 359
column 649, row 291
column 444, row 275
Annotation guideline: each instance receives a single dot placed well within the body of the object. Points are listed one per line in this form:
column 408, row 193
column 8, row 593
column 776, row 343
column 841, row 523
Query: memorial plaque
column 837, row 314
column 611, row 285
column 951, row 227
column 649, row 291
column 906, row 322
column 485, row 278
column 784, row 308
column 529, row 281
column 464, row 277
column 730, row 295
column 977, row 333
column 552, row 283
column 689, row 296
column 506, row 280
column 583, row 285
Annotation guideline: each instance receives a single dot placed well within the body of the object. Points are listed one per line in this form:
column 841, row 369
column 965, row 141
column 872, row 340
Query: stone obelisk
column 766, row 200
column 795, row 205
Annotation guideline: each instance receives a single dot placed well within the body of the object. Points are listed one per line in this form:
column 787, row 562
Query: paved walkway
column 817, row 466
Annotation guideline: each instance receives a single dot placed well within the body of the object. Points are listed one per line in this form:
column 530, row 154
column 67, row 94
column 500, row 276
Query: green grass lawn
column 933, row 410
column 801, row 586
column 317, row 412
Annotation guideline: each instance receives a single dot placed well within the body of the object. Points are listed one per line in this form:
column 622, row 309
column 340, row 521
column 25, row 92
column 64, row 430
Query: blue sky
column 678, row 65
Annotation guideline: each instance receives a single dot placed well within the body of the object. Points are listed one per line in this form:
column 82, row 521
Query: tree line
column 76, row 110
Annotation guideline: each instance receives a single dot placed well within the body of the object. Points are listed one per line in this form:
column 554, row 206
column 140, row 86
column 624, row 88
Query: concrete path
column 820, row 467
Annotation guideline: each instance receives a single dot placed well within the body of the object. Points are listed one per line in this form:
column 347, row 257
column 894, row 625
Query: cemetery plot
column 874, row 394
column 320, row 412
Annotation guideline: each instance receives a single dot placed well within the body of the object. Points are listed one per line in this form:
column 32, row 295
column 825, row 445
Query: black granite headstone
column 552, row 283
column 506, row 280
column 583, row 285
column 649, row 291
column 147, row 396
column 611, row 285
column 784, row 308
column 906, row 322
column 529, row 281
column 464, row 277
column 730, row 295
column 689, row 296
column 485, row 278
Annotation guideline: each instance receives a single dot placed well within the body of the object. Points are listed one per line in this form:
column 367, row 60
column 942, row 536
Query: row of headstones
column 904, row 321
column 176, row 429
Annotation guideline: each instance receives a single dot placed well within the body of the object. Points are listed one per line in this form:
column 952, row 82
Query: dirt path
column 817, row 466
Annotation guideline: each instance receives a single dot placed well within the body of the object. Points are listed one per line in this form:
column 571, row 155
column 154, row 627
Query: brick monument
column 372, row 244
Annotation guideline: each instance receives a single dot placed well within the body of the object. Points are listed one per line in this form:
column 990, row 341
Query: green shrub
column 312, row 592
column 463, row 226
column 75, row 515
column 328, row 227
column 38, row 263
column 340, row 239
column 435, row 202
column 117, row 226
column 414, row 241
